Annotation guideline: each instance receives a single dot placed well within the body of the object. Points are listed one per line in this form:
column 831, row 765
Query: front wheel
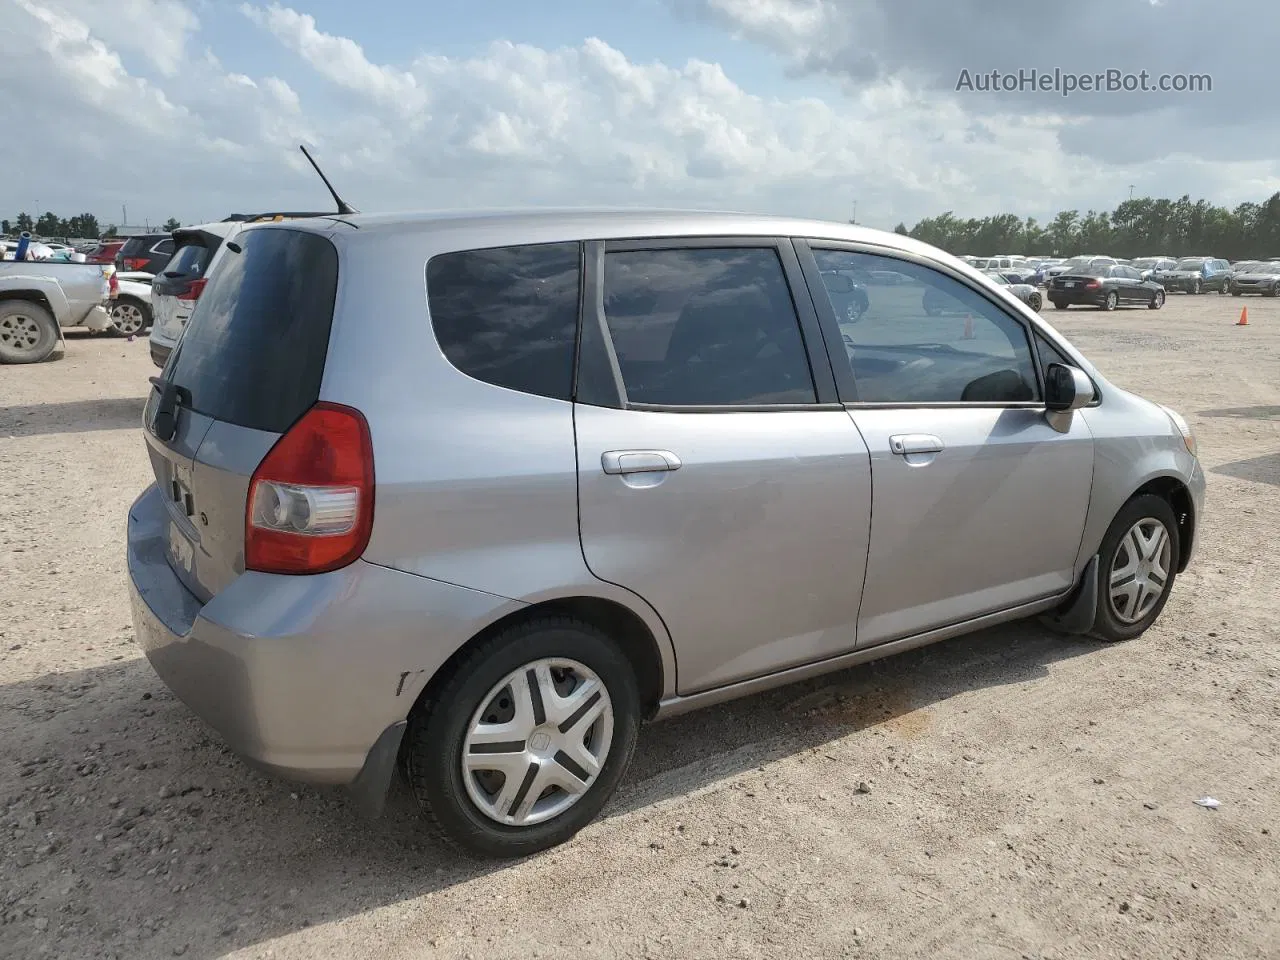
column 1035, row 302
column 28, row 332
column 1196, row 287
column 1223, row 289
column 1157, row 301
column 1138, row 563
column 526, row 739
column 1112, row 301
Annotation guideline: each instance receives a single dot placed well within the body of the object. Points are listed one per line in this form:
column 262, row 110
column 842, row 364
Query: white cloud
column 516, row 124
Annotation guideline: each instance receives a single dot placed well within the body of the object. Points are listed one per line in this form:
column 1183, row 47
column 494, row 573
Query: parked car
column 1150, row 266
column 1261, row 278
column 1078, row 263
column 147, row 253
column 105, row 252
column 1195, row 275
column 848, row 294
column 1105, row 287
column 131, row 308
column 623, row 468
column 1028, row 293
column 38, row 299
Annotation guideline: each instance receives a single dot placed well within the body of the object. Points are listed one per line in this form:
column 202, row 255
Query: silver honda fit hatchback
column 477, row 494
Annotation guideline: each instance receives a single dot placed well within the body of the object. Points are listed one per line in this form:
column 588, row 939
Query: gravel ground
column 1009, row 794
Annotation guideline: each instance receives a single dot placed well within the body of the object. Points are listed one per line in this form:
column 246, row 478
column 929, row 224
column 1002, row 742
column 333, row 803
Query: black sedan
column 1106, row 288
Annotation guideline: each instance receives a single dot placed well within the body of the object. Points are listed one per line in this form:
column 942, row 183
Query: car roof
column 482, row 228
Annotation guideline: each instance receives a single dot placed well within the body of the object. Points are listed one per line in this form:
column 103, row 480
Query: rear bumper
column 1076, row 297
column 309, row 677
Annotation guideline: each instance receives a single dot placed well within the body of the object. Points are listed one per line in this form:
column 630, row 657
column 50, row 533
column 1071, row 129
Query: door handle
column 908, row 443
column 621, row 462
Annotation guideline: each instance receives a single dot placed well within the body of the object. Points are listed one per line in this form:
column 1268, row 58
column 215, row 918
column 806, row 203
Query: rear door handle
column 908, row 443
column 620, row 462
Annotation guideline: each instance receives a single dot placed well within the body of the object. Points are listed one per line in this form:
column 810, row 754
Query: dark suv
column 147, row 254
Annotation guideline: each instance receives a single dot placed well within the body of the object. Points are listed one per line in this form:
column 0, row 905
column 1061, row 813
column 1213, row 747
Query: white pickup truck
column 40, row 298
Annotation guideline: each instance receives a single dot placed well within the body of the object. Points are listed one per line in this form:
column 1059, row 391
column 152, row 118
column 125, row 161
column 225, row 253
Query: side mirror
column 1066, row 388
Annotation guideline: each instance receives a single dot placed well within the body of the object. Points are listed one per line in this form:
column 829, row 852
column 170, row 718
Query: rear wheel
column 1060, row 304
column 1196, row 287
column 1157, row 301
column 129, row 317
column 1112, row 301
column 526, row 739
column 1138, row 562
column 28, row 333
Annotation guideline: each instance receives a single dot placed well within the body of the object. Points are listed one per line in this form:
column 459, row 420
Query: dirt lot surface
column 1026, row 796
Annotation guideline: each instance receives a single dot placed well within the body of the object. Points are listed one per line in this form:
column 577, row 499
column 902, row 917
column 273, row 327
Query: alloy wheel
column 538, row 742
column 19, row 332
column 127, row 318
column 1140, row 570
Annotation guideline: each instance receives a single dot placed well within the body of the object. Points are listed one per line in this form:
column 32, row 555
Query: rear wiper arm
column 172, row 396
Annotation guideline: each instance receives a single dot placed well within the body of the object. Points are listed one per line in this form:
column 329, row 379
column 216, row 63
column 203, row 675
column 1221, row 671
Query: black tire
column 1107, row 624
column 1223, row 289
column 1111, row 302
column 1235, row 293
column 142, row 308
column 1060, row 304
column 1197, row 287
column 438, row 728
column 1157, row 300
column 28, row 333
column 1035, row 302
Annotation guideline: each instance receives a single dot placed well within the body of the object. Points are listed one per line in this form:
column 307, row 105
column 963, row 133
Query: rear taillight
column 310, row 505
column 192, row 290
column 113, row 285
column 1093, row 284
column 134, row 263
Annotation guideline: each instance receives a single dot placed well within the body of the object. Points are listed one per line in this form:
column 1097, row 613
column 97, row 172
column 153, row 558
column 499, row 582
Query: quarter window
column 705, row 327
column 509, row 316
column 914, row 335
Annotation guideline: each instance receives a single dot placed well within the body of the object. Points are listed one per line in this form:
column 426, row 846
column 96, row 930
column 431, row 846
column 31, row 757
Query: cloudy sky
column 194, row 108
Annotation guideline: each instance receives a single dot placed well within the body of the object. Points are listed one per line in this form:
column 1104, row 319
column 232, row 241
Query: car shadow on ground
column 149, row 806
column 1265, row 469
column 1245, row 413
column 72, row 416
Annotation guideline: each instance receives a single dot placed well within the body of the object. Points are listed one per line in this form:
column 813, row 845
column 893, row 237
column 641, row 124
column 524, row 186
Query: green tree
column 25, row 222
column 110, row 232
column 900, row 229
column 4, row 227
column 171, row 225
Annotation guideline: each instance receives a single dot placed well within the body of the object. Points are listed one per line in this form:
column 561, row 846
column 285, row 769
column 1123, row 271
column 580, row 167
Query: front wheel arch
column 1174, row 492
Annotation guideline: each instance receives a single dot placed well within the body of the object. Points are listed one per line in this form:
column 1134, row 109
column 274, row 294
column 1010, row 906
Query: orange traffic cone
column 968, row 326
column 1244, row 317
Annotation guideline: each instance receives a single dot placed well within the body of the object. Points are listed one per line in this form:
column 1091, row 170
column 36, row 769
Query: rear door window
column 509, row 315
column 253, row 353
column 705, row 327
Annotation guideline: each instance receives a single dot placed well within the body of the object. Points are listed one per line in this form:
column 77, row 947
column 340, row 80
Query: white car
column 131, row 307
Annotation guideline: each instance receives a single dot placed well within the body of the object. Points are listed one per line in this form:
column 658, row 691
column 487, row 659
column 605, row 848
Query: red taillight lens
column 310, row 506
column 193, row 289
column 134, row 263
column 1093, row 284
column 113, row 283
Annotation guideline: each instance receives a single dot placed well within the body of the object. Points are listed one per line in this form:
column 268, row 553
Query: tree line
column 1143, row 226
column 84, row 225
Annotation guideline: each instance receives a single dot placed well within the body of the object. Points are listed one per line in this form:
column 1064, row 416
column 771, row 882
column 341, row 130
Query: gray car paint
column 75, row 293
column 480, row 491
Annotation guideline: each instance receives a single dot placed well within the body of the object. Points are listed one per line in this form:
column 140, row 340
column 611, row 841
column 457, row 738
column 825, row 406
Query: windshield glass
column 1195, row 263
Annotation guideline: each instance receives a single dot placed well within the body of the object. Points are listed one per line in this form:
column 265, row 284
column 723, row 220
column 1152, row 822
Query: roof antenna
column 344, row 208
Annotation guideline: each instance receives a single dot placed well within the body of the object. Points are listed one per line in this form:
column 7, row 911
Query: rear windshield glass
column 254, row 350
column 135, row 245
column 189, row 261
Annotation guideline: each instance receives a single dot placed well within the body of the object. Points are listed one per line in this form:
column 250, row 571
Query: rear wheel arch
column 1174, row 492
column 618, row 622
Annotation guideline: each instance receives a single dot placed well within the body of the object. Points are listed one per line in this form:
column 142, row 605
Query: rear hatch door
column 248, row 366
column 175, row 290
